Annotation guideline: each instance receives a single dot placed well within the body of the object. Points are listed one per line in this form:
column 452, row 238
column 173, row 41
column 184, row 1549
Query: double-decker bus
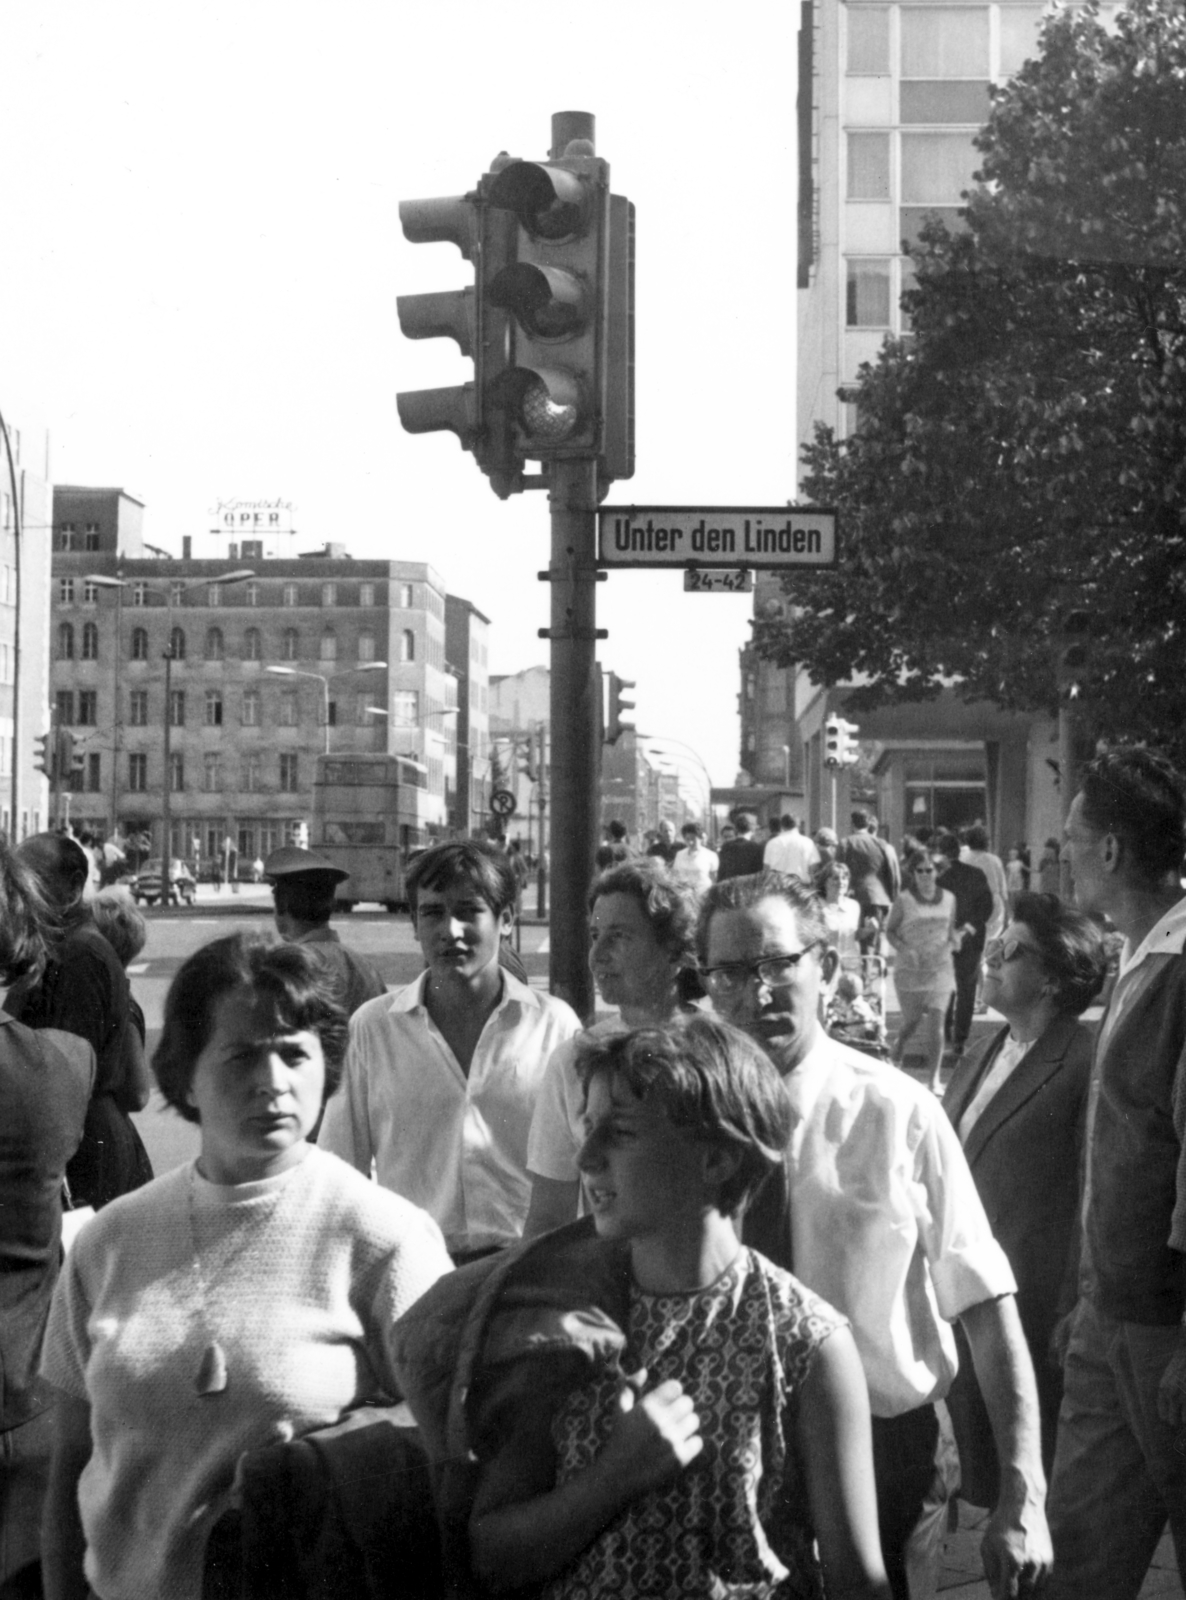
column 366, row 820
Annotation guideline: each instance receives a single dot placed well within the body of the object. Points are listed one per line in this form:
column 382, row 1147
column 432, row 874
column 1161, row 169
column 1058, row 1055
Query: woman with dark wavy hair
column 1018, row 1105
column 243, row 1300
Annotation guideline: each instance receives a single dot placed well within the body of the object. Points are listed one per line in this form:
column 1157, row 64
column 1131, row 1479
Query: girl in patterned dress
column 728, row 1453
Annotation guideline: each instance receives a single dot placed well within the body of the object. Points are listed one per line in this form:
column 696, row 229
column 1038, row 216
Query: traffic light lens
column 543, row 418
column 548, row 201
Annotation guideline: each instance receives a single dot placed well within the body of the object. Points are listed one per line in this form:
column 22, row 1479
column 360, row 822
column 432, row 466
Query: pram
column 859, row 1021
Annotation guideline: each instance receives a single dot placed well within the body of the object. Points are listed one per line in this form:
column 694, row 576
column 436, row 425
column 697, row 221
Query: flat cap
column 292, row 862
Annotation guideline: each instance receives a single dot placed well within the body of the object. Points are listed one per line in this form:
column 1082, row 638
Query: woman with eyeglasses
column 921, row 929
column 1018, row 1106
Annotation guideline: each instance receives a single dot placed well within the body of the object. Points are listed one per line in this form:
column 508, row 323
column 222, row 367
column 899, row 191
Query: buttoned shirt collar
column 1167, row 937
column 414, row 996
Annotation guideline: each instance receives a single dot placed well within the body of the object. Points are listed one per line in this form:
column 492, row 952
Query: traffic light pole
column 574, row 730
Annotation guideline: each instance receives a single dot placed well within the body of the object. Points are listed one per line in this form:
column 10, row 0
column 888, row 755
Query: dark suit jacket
column 1025, row 1152
column 875, row 878
column 973, row 897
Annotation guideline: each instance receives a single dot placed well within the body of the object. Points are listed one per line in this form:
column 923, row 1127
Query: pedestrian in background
column 303, row 889
column 788, row 850
column 973, row 910
column 921, row 927
column 696, row 865
column 741, row 854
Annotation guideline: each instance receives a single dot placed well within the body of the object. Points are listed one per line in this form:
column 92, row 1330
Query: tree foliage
column 1023, row 450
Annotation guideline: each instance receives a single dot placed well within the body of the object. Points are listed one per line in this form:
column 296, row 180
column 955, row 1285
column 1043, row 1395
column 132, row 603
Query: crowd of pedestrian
column 462, row 1297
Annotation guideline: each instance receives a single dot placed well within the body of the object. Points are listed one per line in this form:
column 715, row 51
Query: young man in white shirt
column 696, row 865
column 877, row 1212
column 441, row 1078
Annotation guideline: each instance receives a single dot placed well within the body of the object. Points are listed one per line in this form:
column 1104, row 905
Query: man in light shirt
column 696, row 865
column 877, row 1212
column 441, row 1078
column 1119, row 1468
column 788, row 850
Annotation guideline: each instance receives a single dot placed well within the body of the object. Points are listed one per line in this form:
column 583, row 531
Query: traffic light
column 1073, row 653
column 43, row 754
column 65, row 758
column 485, row 236
column 840, row 746
column 614, row 726
column 75, row 772
column 569, row 293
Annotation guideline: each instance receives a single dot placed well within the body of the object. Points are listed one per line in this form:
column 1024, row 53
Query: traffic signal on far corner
column 64, row 757
column 43, row 754
column 840, row 742
column 1073, row 659
column 618, row 702
column 75, row 773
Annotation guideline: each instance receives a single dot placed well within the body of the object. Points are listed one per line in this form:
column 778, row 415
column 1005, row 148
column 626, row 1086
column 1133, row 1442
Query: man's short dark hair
column 307, row 897
column 616, row 830
column 480, row 866
column 743, row 893
column 300, row 987
column 787, row 822
column 692, row 830
column 1140, row 796
column 860, row 818
column 713, row 1082
column 744, row 821
column 976, row 836
column 1070, row 947
column 946, row 844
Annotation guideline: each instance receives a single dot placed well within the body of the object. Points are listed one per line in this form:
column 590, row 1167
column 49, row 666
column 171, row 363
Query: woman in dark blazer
column 1018, row 1106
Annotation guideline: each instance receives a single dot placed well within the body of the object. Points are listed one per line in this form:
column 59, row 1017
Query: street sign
column 502, row 803
column 718, row 580
column 730, row 536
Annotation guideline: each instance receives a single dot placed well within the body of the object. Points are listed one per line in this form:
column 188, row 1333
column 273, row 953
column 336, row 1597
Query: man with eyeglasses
column 877, row 1212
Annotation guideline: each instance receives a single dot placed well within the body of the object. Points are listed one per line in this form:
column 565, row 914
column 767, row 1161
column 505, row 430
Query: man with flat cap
column 303, row 885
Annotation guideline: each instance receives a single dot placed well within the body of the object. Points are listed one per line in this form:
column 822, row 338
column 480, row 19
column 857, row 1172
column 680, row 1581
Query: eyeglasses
column 924, row 872
column 997, row 950
column 771, row 970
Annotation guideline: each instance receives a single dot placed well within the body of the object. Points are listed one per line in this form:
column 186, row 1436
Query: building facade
column 467, row 651
column 25, row 509
column 891, row 96
column 257, row 678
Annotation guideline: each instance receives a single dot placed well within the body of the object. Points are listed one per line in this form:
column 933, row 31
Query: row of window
column 332, row 594
column 73, row 537
column 252, row 775
column 83, row 710
column 215, row 644
column 942, row 42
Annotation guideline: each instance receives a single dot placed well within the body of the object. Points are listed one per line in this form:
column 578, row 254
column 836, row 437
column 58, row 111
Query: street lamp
column 172, row 592
column 323, row 680
column 660, row 742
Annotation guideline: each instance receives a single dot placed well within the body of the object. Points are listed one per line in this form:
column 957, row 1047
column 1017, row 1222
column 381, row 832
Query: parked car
column 146, row 885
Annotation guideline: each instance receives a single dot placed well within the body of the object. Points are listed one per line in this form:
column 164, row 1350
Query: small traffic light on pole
column 65, row 758
column 614, row 726
column 43, row 754
column 1074, row 653
column 840, row 746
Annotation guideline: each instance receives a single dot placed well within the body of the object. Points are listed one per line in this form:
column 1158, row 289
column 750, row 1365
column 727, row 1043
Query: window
column 868, row 166
column 212, row 772
column 407, row 645
column 291, row 594
column 66, row 591
column 176, row 771
column 176, row 591
column 251, row 592
column 329, row 646
column 214, row 708
column 138, row 772
column 251, row 771
column 138, row 708
column 94, row 771
column 291, row 645
column 960, row 100
column 407, row 596
column 251, row 708
column 289, row 782
column 65, row 642
column 214, row 594
column 329, row 594
column 936, row 167
column 1019, row 36
column 215, row 644
column 90, row 642
column 139, row 644
column 90, row 594
column 867, row 294
column 90, row 537
column 366, row 645
column 366, row 594
column 177, row 708
column 944, row 41
column 65, row 537
column 177, row 644
column 331, row 713
column 65, row 705
column 405, row 708
column 88, row 707
column 290, row 715
column 868, row 39
column 368, row 703
column 139, row 594
column 253, row 645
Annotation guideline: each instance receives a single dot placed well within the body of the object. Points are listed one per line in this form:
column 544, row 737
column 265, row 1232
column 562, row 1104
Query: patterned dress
column 734, row 1523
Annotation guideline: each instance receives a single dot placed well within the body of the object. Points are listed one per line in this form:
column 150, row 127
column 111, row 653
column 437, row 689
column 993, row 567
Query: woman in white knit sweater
column 240, row 1301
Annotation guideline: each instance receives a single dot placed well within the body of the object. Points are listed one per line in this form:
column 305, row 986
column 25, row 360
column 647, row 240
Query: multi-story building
column 257, row 678
column 467, row 651
column 890, row 98
column 24, row 626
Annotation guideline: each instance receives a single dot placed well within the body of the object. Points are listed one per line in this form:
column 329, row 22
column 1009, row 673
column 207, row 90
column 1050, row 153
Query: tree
column 1022, row 452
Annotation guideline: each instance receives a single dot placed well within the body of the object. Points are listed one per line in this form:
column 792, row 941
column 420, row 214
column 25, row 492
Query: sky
column 201, row 254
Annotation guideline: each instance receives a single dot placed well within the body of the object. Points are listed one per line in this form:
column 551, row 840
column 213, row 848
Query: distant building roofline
column 90, row 488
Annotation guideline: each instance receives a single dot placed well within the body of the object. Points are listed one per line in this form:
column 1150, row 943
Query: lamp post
column 323, row 679
column 172, row 592
column 660, row 742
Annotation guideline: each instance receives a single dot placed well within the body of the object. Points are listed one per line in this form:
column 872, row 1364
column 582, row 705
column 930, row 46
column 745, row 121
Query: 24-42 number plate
column 718, row 580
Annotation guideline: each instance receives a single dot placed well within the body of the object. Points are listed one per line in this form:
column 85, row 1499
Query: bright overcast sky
column 201, row 253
